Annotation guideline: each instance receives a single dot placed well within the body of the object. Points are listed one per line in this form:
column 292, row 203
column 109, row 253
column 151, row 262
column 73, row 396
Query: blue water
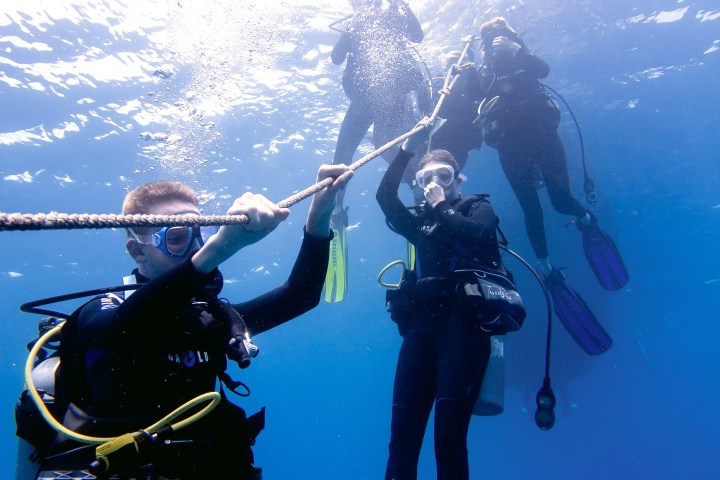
column 246, row 98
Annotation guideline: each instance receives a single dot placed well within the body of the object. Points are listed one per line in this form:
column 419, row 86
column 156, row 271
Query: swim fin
column 603, row 256
column 576, row 316
column 336, row 276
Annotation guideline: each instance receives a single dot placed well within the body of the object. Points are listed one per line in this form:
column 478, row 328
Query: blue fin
column 576, row 316
column 603, row 256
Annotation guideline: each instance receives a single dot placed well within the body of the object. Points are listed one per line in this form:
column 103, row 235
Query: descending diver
column 126, row 362
column 380, row 72
column 443, row 312
column 459, row 136
column 522, row 126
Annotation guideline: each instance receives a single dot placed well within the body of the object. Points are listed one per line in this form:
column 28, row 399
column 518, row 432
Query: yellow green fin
column 336, row 276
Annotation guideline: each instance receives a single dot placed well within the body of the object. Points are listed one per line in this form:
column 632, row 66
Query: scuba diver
column 379, row 74
column 444, row 310
column 126, row 362
column 458, row 135
column 522, row 126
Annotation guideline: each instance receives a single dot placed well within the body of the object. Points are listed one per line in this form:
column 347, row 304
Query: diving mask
column 489, row 36
column 177, row 241
column 440, row 173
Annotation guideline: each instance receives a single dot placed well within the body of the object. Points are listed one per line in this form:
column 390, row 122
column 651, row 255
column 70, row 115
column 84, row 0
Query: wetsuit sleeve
column 299, row 294
column 532, row 64
column 403, row 222
column 477, row 229
column 341, row 49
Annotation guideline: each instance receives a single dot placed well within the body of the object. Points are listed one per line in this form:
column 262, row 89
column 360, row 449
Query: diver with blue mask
column 127, row 361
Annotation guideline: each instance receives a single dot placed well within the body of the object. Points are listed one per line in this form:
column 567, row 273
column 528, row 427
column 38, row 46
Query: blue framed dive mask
column 177, row 241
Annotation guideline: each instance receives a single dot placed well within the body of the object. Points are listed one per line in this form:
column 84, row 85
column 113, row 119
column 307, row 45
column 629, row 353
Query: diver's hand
column 323, row 202
column 264, row 216
column 418, row 138
column 505, row 45
column 486, row 108
column 434, row 194
column 237, row 351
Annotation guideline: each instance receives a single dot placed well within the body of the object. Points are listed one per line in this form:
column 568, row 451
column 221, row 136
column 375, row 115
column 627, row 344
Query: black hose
column 545, row 398
column 31, row 307
column 588, row 184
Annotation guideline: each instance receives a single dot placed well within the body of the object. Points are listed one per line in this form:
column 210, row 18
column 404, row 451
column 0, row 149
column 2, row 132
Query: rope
column 74, row 221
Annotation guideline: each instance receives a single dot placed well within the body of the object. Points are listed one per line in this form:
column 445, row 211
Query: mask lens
column 206, row 233
column 177, row 240
column 443, row 175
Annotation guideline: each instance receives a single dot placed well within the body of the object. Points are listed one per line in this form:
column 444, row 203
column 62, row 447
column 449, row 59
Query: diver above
column 380, row 71
column 458, row 135
column 522, row 126
column 379, row 74
column 127, row 362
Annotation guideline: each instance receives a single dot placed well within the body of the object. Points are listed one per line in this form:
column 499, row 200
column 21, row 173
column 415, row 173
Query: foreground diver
column 125, row 363
column 446, row 334
column 523, row 128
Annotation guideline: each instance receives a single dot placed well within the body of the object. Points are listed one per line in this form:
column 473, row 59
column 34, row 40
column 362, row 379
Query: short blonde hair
column 141, row 199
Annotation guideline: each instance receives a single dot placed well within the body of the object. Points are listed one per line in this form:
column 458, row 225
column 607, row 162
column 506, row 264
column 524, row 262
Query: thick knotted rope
column 72, row 221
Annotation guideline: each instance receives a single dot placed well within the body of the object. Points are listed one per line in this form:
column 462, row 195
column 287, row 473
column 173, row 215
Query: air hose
column 588, row 184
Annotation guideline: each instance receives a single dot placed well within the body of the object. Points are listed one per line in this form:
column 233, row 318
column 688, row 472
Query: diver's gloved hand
column 418, row 138
column 487, row 106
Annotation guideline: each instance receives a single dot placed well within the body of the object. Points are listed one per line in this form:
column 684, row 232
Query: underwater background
column 98, row 97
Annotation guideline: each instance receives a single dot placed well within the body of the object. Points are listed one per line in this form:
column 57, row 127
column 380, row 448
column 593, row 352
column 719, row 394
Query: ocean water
column 98, row 97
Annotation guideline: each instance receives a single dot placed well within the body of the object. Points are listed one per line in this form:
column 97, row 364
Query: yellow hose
column 212, row 397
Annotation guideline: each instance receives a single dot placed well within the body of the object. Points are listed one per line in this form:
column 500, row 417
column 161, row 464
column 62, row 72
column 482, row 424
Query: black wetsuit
column 380, row 71
column 524, row 131
column 444, row 352
column 458, row 135
column 126, row 364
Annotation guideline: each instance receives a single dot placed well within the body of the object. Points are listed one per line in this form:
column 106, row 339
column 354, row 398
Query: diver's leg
column 518, row 168
column 388, row 123
column 461, row 367
column 413, row 396
column 553, row 165
column 354, row 126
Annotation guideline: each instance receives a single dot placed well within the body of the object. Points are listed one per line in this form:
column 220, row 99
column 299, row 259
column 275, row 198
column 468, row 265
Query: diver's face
column 491, row 39
column 151, row 261
column 452, row 191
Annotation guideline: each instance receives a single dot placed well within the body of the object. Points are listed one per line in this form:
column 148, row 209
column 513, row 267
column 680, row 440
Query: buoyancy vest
column 460, row 256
